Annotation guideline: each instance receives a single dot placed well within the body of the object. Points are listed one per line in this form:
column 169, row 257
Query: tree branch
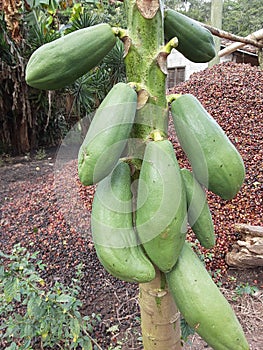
column 223, row 34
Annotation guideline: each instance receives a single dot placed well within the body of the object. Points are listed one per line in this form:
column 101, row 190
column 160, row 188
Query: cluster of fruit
column 131, row 243
column 141, row 225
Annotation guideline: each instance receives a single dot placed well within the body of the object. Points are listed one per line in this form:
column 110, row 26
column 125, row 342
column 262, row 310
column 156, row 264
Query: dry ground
column 29, row 213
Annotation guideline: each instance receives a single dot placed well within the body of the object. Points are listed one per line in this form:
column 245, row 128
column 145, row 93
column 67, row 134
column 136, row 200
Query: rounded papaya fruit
column 107, row 135
column 215, row 161
column 194, row 41
column 59, row 63
column 198, row 212
column 113, row 234
column 161, row 205
column 202, row 304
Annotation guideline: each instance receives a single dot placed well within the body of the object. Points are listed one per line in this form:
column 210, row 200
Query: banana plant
column 142, row 204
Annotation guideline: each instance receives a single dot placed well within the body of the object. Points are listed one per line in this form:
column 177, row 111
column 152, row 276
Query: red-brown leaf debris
column 233, row 95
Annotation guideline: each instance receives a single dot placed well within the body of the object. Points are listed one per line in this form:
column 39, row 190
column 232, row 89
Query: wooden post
column 216, row 21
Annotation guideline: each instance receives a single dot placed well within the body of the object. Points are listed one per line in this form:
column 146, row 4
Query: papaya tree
column 144, row 201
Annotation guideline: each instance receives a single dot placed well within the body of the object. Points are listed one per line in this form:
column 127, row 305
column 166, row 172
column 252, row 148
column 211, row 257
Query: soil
column 31, row 213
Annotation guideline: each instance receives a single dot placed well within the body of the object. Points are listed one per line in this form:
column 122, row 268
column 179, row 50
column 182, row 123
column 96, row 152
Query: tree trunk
column 15, row 111
column 248, row 250
column 160, row 319
column 145, row 63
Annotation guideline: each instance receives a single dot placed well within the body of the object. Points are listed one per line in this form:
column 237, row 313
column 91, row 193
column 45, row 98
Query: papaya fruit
column 198, row 212
column 215, row 161
column 202, row 304
column 161, row 205
column 114, row 238
column 107, row 135
column 60, row 62
column 195, row 42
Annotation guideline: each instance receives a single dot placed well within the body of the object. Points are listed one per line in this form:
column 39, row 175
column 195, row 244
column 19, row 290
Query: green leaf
column 44, row 329
column 11, row 288
column 74, row 329
column 33, row 306
column 64, row 298
column 86, row 318
column 28, row 331
column 77, row 314
column 12, row 346
column 114, row 328
column 12, row 329
column 44, row 2
column 2, row 272
column 86, row 344
column 3, row 255
column 26, row 345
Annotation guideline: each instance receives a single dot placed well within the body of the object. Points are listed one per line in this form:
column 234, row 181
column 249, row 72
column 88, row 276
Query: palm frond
column 85, row 20
column 114, row 63
column 38, row 36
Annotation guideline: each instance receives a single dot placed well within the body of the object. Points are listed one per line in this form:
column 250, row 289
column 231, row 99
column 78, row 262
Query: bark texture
column 160, row 317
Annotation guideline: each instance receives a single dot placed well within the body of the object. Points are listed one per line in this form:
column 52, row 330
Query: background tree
column 240, row 17
column 45, row 117
column 197, row 9
column 30, row 119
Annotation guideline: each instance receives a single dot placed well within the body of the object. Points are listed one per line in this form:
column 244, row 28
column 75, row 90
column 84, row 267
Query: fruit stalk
column 146, row 66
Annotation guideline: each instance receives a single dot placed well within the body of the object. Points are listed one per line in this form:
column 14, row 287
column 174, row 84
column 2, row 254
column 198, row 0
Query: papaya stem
column 146, row 61
column 159, row 315
column 172, row 44
column 119, row 32
column 172, row 97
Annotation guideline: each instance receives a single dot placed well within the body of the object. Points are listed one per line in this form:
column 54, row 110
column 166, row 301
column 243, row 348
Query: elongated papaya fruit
column 215, row 161
column 114, row 238
column 59, row 63
column 194, row 41
column 107, row 135
column 202, row 304
column 198, row 212
column 161, row 205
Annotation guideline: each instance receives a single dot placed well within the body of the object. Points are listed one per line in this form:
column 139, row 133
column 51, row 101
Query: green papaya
column 107, row 135
column 198, row 212
column 59, row 63
column 161, row 205
column 195, row 42
column 215, row 161
column 114, row 238
column 202, row 304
